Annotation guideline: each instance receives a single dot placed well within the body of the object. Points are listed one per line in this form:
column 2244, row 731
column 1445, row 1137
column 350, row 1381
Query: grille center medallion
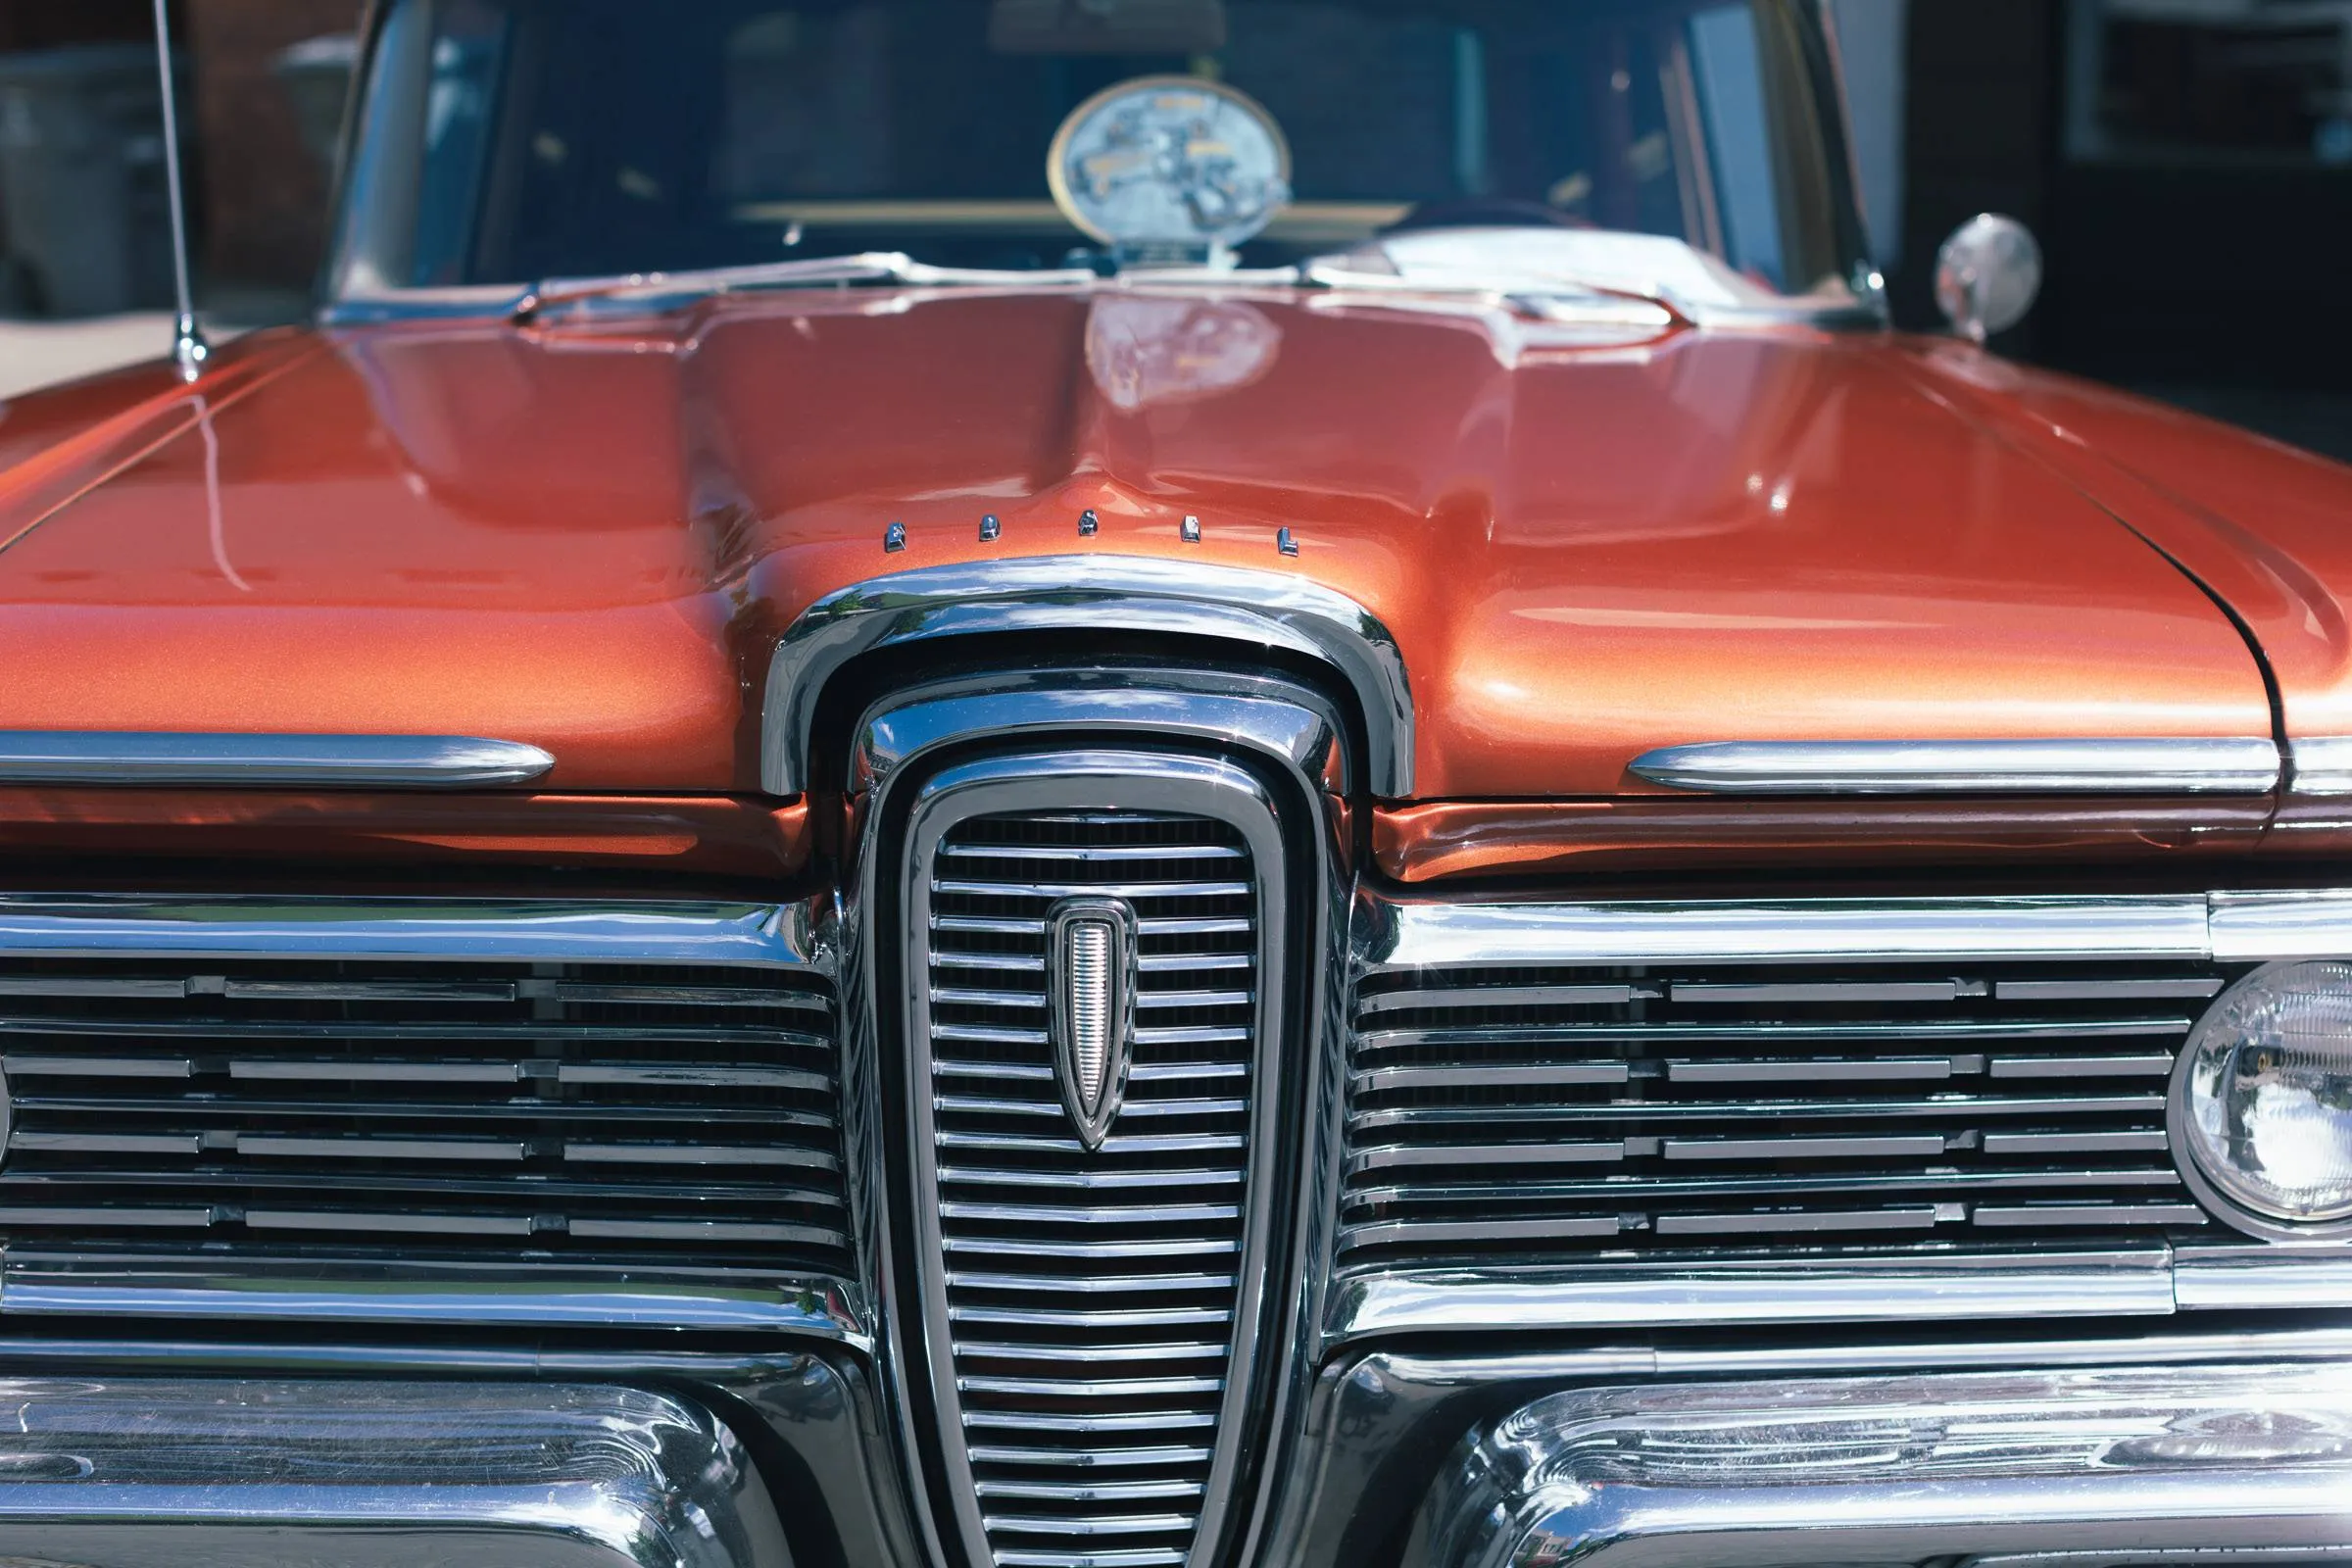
column 1090, row 997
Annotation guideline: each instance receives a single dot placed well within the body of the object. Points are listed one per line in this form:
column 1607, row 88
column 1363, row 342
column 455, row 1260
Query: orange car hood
column 1588, row 543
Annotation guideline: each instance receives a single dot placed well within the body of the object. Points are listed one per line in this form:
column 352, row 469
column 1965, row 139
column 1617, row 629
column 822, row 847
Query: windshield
column 508, row 141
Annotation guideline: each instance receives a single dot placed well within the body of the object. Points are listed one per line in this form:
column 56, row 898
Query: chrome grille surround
column 1287, row 744
column 1644, row 1114
column 521, row 1112
column 1093, row 1321
column 1551, row 1115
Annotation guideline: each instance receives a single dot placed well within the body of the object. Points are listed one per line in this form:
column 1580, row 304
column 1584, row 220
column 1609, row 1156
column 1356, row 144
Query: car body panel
column 2266, row 527
column 586, row 534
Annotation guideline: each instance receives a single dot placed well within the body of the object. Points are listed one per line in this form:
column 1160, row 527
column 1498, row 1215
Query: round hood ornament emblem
column 1170, row 169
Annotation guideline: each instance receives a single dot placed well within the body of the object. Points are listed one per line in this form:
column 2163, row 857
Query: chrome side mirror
column 1987, row 275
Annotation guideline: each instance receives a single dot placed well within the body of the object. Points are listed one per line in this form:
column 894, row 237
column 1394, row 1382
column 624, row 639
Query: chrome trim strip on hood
column 1095, row 594
column 2126, row 1464
column 2156, row 766
column 254, row 761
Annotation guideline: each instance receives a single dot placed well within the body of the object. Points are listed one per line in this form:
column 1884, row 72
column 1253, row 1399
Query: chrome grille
column 1564, row 1114
column 1090, row 1298
column 494, row 1112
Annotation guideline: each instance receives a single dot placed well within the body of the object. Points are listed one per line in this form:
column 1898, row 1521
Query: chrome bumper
column 2089, row 1469
column 170, row 1474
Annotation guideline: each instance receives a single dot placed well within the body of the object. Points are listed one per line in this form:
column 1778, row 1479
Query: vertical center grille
column 1083, row 1301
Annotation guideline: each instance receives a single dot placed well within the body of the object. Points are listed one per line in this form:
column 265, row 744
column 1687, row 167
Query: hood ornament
column 1090, row 1008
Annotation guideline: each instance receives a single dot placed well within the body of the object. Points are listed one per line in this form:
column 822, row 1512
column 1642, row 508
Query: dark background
column 2212, row 269
column 2199, row 250
column 260, row 195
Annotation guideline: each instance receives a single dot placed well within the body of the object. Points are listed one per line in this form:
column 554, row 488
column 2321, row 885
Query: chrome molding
column 2257, row 927
column 519, row 930
column 262, row 1289
column 2250, row 1276
column 1094, row 594
column 1395, row 937
column 2122, row 1282
column 2320, row 764
column 2117, row 1465
column 266, row 761
column 149, row 1473
column 1273, row 718
column 2156, row 766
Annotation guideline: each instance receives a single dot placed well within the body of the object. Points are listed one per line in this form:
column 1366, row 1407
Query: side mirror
column 1987, row 275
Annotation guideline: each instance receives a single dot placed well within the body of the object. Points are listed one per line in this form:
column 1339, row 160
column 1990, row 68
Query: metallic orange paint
column 2266, row 527
column 1454, row 839
column 586, row 534
column 690, row 835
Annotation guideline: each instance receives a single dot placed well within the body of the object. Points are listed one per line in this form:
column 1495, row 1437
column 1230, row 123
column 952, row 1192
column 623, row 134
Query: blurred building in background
column 2187, row 165
column 81, row 187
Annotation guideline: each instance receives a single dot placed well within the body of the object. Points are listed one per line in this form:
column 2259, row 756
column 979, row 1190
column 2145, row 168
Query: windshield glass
column 506, row 141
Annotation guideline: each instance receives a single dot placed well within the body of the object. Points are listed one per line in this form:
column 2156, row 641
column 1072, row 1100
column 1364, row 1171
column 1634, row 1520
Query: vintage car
column 1161, row 784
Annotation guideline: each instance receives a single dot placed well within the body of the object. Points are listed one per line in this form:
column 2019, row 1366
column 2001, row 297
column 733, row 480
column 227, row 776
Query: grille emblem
column 1090, row 1006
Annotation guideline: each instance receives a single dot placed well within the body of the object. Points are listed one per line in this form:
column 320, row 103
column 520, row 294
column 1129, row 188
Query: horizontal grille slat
column 1142, row 1317
column 1092, row 1423
column 1150, row 891
column 535, row 1115
column 1077, row 1351
column 1786, row 1033
column 435, row 1181
column 1095, row 1525
column 1136, row 1109
column 1089, row 1458
column 1152, row 1178
column 1514, row 1115
column 1093, row 854
column 1089, row 1491
column 277, row 1110
column 1537, row 1118
column 404, row 1032
column 1090, row 1295
column 1168, row 1284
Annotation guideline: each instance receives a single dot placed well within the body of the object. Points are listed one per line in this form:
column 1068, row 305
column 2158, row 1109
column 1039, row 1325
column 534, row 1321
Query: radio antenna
column 190, row 350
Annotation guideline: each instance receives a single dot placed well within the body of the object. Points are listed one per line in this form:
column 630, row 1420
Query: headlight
column 2262, row 1100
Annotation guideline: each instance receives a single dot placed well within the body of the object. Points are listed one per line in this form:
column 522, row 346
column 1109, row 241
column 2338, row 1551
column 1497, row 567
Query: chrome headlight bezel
column 2219, row 1186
